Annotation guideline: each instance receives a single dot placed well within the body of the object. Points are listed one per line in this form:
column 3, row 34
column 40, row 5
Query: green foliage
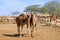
column 49, row 7
column 52, row 6
column 32, row 8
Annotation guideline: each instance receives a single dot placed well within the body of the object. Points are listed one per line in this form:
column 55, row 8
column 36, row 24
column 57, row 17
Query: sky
column 7, row 7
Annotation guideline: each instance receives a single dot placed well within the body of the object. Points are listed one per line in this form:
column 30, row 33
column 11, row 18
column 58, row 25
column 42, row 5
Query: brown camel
column 21, row 20
column 53, row 19
column 33, row 23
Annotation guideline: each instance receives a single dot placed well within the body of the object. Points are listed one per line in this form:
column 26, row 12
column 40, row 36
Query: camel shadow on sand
column 15, row 35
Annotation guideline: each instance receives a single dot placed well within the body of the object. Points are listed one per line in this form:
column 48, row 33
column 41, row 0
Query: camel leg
column 32, row 29
column 28, row 28
column 35, row 28
column 18, row 28
column 50, row 23
column 21, row 29
column 55, row 23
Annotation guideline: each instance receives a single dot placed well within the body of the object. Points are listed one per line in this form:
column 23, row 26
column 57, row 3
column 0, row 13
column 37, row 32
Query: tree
column 52, row 6
column 48, row 7
column 32, row 8
column 15, row 13
column 43, row 10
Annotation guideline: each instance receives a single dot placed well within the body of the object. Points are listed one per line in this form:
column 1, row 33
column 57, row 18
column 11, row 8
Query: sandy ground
column 43, row 32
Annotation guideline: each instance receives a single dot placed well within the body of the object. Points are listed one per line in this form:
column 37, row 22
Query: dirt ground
column 43, row 32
